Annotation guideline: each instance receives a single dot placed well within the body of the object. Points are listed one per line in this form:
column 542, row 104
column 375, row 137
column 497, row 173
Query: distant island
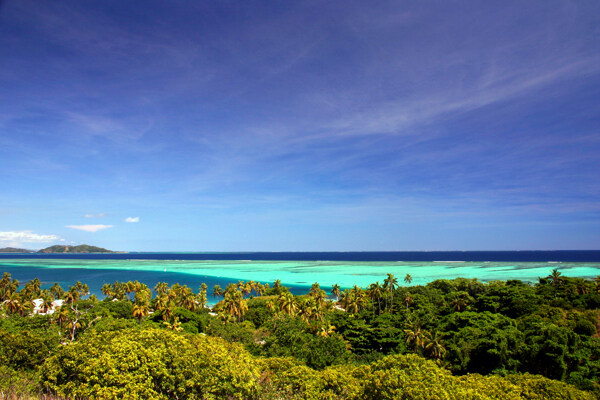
column 83, row 248
column 15, row 250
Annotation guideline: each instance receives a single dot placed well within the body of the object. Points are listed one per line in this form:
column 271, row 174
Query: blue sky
column 300, row 126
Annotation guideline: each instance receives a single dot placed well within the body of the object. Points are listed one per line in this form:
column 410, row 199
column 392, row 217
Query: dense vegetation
column 14, row 250
column 450, row 339
column 82, row 248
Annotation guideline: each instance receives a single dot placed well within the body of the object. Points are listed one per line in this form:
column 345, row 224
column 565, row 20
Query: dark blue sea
column 498, row 256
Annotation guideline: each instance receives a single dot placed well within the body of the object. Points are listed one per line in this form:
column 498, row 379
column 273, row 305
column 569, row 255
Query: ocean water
column 295, row 270
column 508, row 256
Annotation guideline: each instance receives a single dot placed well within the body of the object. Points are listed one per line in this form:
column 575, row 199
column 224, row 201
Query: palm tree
column 277, row 286
column 326, row 330
column 460, row 301
column 582, row 286
column 7, row 286
column 308, row 309
column 260, row 289
column 318, row 295
column 174, row 325
column 167, row 312
column 234, row 304
column 57, row 291
column 71, row 296
column 408, row 279
column 374, row 292
column 314, row 288
column 174, row 292
column 247, row 289
column 31, row 289
column 61, row 316
column 82, row 289
column 270, row 304
column 415, row 337
column 187, row 299
column 129, row 287
column 107, row 290
column 242, row 307
column 345, row 298
column 162, row 302
column 335, row 290
column 161, row 288
column 13, row 303
column 26, row 307
column 118, row 291
column 139, row 287
column 287, row 303
column 354, row 299
column 390, row 283
column 140, row 311
column 435, row 345
column 202, row 297
column 555, row 277
column 353, row 305
column 143, row 296
column 408, row 300
column 217, row 291
column 46, row 304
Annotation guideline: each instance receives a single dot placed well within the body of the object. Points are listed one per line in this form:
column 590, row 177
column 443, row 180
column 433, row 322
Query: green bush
column 410, row 377
column 285, row 378
column 24, row 350
column 289, row 337
column 151, row 364
column 536, row 387
column 17, row 384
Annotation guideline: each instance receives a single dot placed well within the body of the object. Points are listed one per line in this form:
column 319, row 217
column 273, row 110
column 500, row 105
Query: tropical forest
column 448, row 339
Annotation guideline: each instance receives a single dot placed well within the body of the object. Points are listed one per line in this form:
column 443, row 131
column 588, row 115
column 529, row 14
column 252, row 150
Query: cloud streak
column 132, row 219
column 89, row 228
column 24, row 238
column 101, row 215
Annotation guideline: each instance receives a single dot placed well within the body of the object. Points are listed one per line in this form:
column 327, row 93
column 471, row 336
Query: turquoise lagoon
column 293, row 273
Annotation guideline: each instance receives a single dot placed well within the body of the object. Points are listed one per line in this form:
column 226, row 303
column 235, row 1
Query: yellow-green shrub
column 537, row 387
column 151, row 364
column 407, row 377
column 285, row 378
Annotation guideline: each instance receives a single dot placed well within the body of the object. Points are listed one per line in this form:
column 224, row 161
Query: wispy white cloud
column 401, row 117
column 90, row 228
column 17, row 238
column 132, row 219
column 100, row 215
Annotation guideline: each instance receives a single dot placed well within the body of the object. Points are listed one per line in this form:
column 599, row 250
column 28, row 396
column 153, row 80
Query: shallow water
column 298, row 275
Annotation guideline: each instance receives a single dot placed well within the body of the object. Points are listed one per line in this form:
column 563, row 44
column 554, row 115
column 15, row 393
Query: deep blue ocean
column 499, row 256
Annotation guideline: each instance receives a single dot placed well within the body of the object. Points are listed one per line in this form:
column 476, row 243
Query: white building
column 37, row 306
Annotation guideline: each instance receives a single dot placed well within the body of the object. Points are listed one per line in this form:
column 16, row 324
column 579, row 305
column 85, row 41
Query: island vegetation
column 14, row 250
column 83, row 248
column 449, row 339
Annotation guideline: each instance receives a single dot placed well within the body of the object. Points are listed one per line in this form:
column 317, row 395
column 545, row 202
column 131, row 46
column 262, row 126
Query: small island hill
column 59, row 249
